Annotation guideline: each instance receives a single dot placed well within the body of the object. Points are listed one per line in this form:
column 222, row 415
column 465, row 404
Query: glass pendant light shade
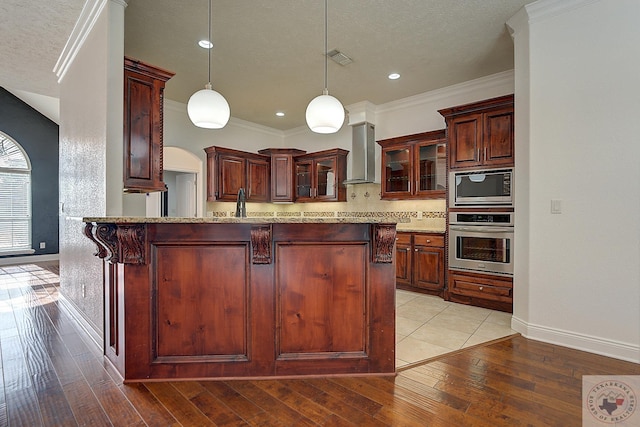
column 208, row 109
column 325, row 114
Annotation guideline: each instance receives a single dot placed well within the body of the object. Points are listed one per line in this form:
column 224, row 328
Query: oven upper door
column 484, row 249
column 481, row 187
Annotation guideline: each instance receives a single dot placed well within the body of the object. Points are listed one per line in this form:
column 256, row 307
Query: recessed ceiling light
column 206, row 44
column 280, row 114
column 394, row 76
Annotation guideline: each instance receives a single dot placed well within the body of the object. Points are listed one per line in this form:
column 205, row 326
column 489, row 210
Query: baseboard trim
column 591, row 344
column 84, row 324
column 15, row 260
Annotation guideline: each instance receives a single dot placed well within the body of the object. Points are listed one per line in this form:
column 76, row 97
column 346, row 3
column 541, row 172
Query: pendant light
column 325, row 114
column 207, row 108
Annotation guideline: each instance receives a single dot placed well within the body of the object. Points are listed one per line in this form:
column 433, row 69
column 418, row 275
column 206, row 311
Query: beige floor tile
column 417, row 312
column 500, row 318
column 449, row 320
column 406, row 326
column 474, row 340
column 493, row 330
column 443, row 337
column 400, row 337
column 469, row 311
column 413, row 350
column 403, row 297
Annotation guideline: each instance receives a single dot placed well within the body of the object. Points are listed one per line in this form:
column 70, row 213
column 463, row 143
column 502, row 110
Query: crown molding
column 181, row 108
column 542, row 10
column 85, row 23
column 494, row 80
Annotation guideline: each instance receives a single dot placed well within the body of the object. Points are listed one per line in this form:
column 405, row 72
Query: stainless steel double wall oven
column 481, row 221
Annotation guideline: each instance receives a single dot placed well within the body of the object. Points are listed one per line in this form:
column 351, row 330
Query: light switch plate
column 556, row 206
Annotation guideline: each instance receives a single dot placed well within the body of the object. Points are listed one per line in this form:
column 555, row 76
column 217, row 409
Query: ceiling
column 268, row 54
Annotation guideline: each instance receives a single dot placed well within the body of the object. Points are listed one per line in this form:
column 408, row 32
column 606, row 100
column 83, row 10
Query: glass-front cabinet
column 414, row 166
column 320, row 176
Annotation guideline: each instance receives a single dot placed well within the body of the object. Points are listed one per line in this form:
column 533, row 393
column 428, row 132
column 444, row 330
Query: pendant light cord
column 210, row 42
column 326, row 36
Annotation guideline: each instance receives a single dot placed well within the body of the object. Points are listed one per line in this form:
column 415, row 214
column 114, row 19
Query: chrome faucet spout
column 241, row 208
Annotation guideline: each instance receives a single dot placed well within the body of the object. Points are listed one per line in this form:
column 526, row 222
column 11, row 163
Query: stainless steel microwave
column 486, row 187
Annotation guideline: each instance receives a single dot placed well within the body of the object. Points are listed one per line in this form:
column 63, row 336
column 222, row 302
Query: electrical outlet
column 43, row 245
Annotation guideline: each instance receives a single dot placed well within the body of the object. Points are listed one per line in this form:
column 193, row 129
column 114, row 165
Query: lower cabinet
column 483, row 290
column 420, row 262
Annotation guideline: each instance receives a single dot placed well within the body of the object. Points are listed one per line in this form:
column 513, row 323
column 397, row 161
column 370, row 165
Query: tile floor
column 428, row 326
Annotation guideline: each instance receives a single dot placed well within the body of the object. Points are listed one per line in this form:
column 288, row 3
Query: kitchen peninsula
column 195, row 298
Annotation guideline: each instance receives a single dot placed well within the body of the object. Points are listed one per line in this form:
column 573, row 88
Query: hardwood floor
column 54, row 375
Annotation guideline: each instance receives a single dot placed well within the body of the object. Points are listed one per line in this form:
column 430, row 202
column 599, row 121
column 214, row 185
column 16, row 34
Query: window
column 15, row 198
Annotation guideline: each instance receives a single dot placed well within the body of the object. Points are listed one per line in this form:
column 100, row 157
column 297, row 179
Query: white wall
column 577, row 75
column 90, row 150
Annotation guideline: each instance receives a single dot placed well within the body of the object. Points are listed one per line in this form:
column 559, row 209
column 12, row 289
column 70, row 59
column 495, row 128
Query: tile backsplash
column 363, row 200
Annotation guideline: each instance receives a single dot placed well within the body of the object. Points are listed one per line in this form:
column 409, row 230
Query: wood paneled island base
column 245, row 298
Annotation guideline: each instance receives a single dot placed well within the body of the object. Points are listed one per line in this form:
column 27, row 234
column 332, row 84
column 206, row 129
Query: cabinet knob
column 416, row 249
column 480, row 288
column 428, row 241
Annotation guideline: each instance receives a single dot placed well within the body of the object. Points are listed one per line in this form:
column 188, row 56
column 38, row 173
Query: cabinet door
column 465, row 141
column 326, row 184
column 396, row 172
column 257, row 180
column 498, row 137
column 142, row 134
column 431, row 169
column 403, row 259
column 304, row 180
column 282, row 178
column 231, row 176
column 428, row 267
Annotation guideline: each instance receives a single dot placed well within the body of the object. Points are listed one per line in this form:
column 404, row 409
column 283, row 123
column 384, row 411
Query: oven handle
column 482, row 229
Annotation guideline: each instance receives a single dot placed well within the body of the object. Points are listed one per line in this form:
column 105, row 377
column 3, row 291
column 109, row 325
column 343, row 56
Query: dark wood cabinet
column 319, row 176
column 143, row 126
column 482, row 290
column 282, row 173
column 420, row 262
column 414, row 166
column 229, row 170
column 481, row 134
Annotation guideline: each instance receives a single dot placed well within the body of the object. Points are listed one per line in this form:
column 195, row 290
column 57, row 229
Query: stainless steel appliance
column 486, row 187
column 481, row 242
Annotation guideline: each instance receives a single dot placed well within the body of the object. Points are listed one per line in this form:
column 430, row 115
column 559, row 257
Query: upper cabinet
column 143, row 126
column 282, row 173
column 229, row 170
column 481, row 134
column 414, row 166
column 319, row 176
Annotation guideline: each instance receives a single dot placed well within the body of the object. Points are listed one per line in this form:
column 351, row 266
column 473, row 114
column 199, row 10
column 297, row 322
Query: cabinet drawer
column 473, row 287
column 403, row 238
column 436, row 240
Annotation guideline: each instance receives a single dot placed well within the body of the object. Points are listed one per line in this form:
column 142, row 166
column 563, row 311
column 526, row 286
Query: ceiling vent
column 339, row 57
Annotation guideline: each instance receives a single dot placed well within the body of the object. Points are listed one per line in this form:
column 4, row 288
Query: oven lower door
column 482, row 249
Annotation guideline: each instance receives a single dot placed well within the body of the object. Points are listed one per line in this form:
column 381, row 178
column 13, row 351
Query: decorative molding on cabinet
column 261, row 244
column 124, row 244
column 384, row 238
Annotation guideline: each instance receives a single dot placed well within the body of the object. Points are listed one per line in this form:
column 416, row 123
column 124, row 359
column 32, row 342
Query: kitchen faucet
column 241, row 208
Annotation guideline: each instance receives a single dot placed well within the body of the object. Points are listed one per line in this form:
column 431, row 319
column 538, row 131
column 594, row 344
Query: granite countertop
column 249, row 220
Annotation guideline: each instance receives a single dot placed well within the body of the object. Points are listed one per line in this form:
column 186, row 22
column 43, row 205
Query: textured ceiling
column 268, row 54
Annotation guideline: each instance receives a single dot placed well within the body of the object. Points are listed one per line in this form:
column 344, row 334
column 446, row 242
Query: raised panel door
column 257, row 180
column 498, row 137
column 282, row 178
column 403, row 259
column 428, row 268
column 465, row 141
column 231, row 176
column 321, row 293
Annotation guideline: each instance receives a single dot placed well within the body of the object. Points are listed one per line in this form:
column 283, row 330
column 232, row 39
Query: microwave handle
column 482, row 229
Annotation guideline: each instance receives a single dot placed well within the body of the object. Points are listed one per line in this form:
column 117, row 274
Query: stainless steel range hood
column 363, row 154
